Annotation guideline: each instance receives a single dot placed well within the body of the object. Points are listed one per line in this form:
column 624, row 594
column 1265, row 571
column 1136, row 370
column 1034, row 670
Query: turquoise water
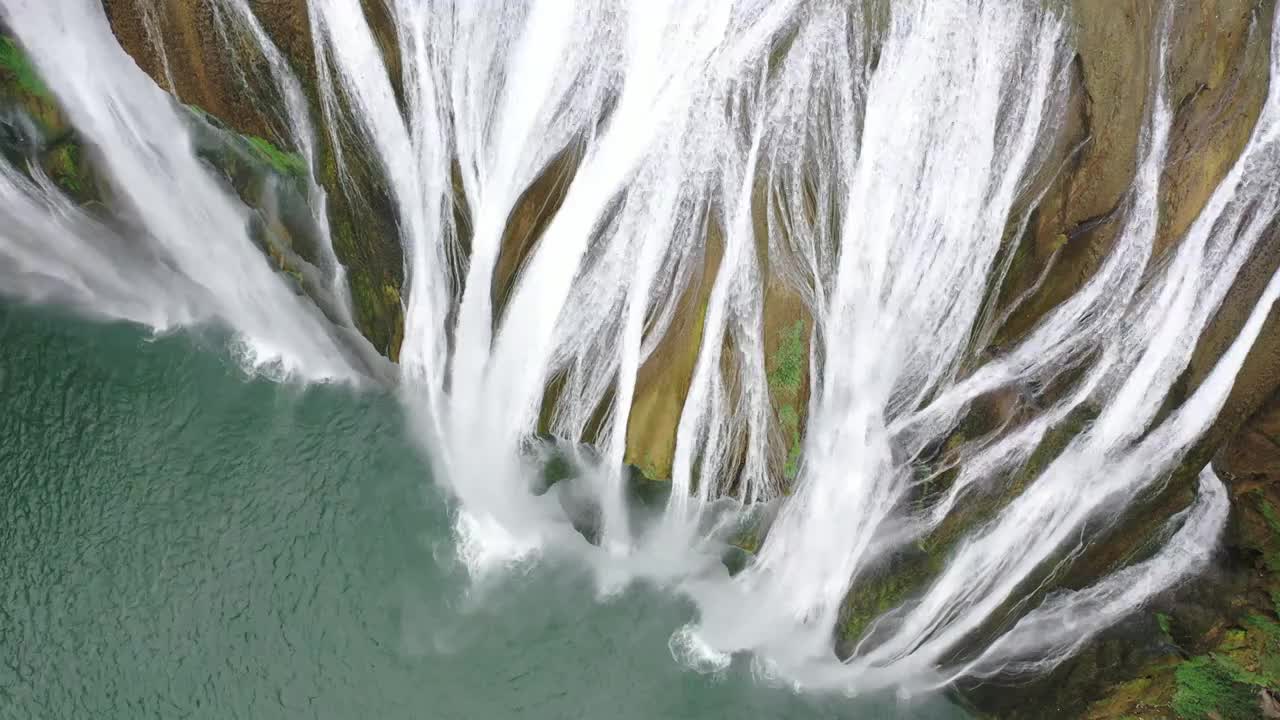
column 180, row 540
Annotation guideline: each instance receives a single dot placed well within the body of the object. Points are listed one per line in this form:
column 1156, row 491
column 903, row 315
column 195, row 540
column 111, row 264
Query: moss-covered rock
column 18, row 71
column 34, row 133
column 23, row 90
column 1234, row 679
column 787, row 369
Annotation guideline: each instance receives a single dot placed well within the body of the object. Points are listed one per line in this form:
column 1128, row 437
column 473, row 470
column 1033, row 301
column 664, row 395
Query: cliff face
column 1217, row 78
column 1194, row 651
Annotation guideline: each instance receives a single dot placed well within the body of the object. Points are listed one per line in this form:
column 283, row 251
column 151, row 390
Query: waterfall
column 871, row 157
column 300, row 130
column 181, row 252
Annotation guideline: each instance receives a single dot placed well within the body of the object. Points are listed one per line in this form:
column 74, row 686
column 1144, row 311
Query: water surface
column 182, row 540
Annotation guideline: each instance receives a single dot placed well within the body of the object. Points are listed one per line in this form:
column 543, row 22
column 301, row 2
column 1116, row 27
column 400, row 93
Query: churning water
column 183, row 540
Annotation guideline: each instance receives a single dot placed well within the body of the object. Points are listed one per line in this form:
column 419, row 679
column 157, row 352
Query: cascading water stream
column 151, row 24
column 871, row 157
column 926, row 203
column 903, row 226
column 185, row 234
column 301, row 131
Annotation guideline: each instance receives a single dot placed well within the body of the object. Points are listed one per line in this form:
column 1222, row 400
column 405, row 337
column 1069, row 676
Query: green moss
column 1269, row 513
column 395, row 308
column 366, row 300
column 793, row 460
column 1264, row 655
column 1163, row 621
column 1233, row 665
column 373, row 318
column 1226, row 682
column 66, row 166
column 1205, row 686
column 261, row 149
column 379, row 314
column 1233, row 639
column 876, row 596
column 390, row 295
column 60, row 154
column 22, row 86
column 202, row 113
column 285, row 163
column 1269, row 628
column 789, row 417
column 1239, row 673
column 789, row 361
column 14, row 62
column 649, row 469
column 785, row 383
column 1149, row 695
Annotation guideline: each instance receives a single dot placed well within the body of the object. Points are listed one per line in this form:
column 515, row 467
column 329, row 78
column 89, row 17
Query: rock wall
column 1217, row 79
column 1211, row 646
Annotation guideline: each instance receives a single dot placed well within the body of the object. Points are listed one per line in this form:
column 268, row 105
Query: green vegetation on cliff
column 282, row 162
column 22, row 89
column 786, row 383
column 49, row 143
column 65, row 165
column 1228, row 682
column 285, row 163
column 14, row 62
column 1223, row 659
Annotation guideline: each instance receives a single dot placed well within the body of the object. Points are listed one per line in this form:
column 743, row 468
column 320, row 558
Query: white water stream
column 869, row 155
column 185, row 253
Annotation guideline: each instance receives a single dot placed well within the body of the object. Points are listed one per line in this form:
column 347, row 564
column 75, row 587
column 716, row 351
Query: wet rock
column 215, row 67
